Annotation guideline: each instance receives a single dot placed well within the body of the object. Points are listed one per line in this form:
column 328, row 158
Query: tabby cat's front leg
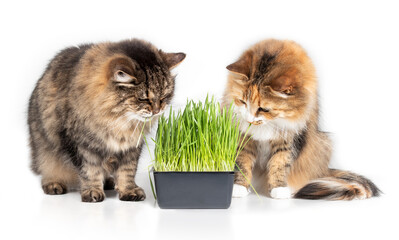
column 125, row 175
column 91, row 177
column 277, row 170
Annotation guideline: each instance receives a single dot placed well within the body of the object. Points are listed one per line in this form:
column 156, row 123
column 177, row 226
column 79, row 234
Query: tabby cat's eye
column 144, row 99
column 168, row 95
column 263, row 109
column 241, row 101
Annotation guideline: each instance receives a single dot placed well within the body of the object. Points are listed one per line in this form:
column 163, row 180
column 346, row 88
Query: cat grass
column 204, row 137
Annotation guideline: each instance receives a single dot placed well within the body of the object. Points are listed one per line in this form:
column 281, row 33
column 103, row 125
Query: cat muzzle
column 259, row 122
column 155, row 111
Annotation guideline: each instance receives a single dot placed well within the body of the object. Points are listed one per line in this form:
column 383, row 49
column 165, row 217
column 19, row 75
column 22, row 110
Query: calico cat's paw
column 239, row 191
column 280, row 193
column 92, row 195
column 136, row 194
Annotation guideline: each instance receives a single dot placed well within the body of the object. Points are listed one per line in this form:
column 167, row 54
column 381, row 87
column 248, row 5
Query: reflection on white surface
column 27, row 212
column 66, row 217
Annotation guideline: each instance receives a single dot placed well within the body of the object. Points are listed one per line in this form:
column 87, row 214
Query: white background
column 354, row 46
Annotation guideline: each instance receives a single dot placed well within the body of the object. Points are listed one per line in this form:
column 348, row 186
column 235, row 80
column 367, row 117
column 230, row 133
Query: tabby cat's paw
column 280, row 193
column 92, row 195
column 136, row 194
column 54, row 188
column 239, row 191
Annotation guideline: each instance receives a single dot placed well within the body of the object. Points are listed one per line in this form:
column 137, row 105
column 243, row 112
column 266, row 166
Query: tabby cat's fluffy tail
column 339, row 185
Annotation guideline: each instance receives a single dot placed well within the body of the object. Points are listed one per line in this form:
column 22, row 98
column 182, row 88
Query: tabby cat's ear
column 172, row 59
column 242, row 66
column 123, row 77
column 121, row 69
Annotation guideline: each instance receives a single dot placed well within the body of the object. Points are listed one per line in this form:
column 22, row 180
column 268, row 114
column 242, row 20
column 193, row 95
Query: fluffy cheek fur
column 266, row 128
column 143, row 114
column 131, row 109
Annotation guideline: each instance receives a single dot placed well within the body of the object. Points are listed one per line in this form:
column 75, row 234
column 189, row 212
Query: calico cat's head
column 130, row 78
column 273, row 83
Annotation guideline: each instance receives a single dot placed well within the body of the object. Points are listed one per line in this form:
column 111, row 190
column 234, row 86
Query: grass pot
column 194, row 190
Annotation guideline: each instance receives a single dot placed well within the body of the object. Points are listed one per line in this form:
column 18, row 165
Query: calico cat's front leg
column 125, row 177
column 91, row 177
column 245, row 161
column 278, row 167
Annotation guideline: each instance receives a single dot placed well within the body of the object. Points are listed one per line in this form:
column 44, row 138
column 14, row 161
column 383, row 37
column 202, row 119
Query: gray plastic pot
column 194, row 190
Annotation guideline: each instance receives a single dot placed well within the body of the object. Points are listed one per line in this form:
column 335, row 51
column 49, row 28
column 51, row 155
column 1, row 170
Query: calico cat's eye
column 263, row 109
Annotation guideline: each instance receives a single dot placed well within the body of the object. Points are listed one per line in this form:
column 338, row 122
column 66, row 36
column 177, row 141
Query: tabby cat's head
column 273, row 81
column 131, row 78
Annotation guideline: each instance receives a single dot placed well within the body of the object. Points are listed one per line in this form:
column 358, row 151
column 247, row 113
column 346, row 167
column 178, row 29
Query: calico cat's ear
column 172, row 59
column 242, row 66
column 285, row 85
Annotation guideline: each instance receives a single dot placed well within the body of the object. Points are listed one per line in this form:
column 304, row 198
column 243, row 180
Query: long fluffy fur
column 287, row 148
column 85, row 125
column 340, row 185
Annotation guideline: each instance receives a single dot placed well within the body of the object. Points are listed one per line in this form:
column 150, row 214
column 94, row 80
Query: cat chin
column 140, row 117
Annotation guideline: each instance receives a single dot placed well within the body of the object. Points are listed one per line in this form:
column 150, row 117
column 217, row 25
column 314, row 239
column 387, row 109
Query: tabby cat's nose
column 155, row 111
column 156, row 107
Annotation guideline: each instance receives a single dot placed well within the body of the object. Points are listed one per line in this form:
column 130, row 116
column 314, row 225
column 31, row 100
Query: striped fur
column 87, row 111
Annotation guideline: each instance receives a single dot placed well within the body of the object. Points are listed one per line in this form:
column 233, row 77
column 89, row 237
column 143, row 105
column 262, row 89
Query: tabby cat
column 274, row 88
column 88, row 111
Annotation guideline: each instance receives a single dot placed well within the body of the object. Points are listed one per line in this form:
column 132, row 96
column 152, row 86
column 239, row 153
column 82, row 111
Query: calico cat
column 274, row 88
column 88, row 111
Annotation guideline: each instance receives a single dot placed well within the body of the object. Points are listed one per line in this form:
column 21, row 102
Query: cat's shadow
column 111, row 193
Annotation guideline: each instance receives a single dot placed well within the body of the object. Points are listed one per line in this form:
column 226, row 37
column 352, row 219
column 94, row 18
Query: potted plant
column 195, row 154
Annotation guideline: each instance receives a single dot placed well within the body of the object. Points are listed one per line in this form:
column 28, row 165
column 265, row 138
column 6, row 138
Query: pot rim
column 194, row 172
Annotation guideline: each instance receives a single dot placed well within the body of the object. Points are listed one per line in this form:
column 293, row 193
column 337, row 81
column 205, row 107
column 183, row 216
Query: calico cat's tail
column 339, row 185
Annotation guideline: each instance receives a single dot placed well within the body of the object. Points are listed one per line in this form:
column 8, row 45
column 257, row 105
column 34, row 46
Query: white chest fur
column 268, row 129
column 116, row 145
column 125, row 134
column 262, row 132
